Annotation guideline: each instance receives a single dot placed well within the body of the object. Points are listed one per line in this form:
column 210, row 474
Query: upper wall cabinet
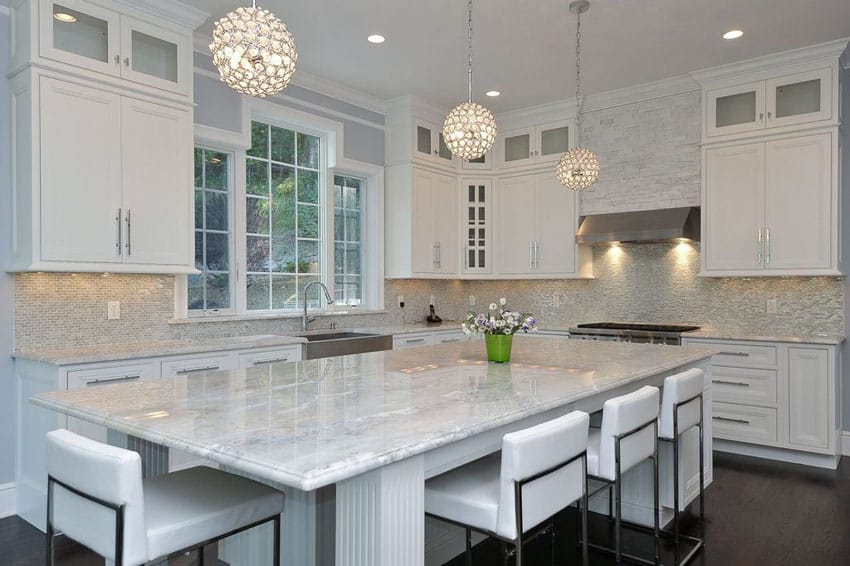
column 781, row 101
column 532, row 146
column 429, row 144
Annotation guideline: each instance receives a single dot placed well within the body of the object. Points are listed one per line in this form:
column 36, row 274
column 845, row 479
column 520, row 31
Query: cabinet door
column 552, row 141
column 423, row 140
column 735, row 109
column 555, row 251
column 157, row 183
column 798, row 207
column 423, row 242
column 516, row 224
column 154, row 56
column 810, row 407
column 483, row 163
column 476, row 222
column 516, row 148
column 734, row 207
column 80, row 173
column 444, row 204
column 81, row 34
column 802, row 97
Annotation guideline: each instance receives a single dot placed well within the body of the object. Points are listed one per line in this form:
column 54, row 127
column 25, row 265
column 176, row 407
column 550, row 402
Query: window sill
column 273, row 316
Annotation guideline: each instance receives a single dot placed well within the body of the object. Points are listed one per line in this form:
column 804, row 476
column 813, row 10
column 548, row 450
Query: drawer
column 743, row 385
column 449, row 336
column 288, row 354
column 743, row 422
column 741, row 354
column 196, row 364
column 402, row 341
column 111, row 374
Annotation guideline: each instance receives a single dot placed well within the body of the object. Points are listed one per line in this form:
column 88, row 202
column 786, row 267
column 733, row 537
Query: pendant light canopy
column 578, row 168
column 253, row 51
column 469, row 129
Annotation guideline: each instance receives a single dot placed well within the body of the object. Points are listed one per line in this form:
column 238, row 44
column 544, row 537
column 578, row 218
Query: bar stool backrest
column 681, row 388
column 108, row 473
column 534, row 451
column 621, row 416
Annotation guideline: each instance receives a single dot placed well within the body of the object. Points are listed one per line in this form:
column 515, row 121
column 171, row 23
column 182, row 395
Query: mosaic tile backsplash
column 639, row 282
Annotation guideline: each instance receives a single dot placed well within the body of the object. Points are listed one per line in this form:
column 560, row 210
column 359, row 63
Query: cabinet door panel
column 422, row 238
column 444, row 201
column 515, row 148
column 798, row 208
column 157, row 156
column 155, row 56
column 735, row 109
column 803, row 97
column 80, row 173
column 734, row 207
column 516, row 225
column 79, row 33
column 556, row 248
column 809, row 405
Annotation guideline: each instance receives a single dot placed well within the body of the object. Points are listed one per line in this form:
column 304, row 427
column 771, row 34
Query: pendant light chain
column 469, row 52
column 579, row 99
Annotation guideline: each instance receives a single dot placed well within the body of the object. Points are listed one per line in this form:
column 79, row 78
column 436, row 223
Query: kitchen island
column 352, row 439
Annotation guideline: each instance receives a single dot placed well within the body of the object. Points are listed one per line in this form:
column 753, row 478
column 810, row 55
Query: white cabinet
column 115, row 183
column 476, row 225
column 811, row 402
column 769, row 207
column 429, row 144
column 773, row 103
column 421, row 223
column 428, row 338
column 483, row 163
column 87, row 35
column 535, row 145
column 536, row 222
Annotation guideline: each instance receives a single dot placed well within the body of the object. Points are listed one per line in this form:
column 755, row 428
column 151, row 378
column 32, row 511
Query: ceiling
column 526, row 49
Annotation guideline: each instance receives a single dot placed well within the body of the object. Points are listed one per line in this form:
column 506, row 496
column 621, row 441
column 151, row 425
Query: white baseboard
column 7, row 500
column 780, row 454
column 845, row 443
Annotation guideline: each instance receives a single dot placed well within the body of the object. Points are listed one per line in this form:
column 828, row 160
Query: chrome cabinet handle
column 195, row 370
column 447, row 340
column 118, row 245
column 759, row 248
column 724, row 382
column 743, row 354
column 270, row 360
column 126, row 61
column 727, row 419
column 117, row 58
column 414, row 340
column 769, row 115
column 767, row 246
column 439, row 254
column 102, row 380
column 129, row 221
column 761, row 116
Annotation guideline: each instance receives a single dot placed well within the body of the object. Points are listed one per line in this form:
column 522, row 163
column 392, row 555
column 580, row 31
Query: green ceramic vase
column 499, row 347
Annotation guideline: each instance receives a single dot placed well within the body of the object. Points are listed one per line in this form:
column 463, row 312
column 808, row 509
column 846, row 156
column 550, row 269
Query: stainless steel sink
column 329, row 344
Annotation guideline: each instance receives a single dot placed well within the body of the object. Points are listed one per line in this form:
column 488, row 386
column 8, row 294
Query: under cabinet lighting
column 64, row 17
column 376, row 38
column 733, row 34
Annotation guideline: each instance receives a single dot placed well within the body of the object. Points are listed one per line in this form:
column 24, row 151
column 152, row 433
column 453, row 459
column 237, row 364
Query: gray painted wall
column 7, row 281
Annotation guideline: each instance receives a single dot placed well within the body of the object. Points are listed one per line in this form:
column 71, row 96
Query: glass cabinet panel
column 80, row 33
column 154, row 56
column 477, row 228
column 443, row 150
column 423, row 140
column 735, row 109
column 554, row 141
column 798, row 98
column 517, row 147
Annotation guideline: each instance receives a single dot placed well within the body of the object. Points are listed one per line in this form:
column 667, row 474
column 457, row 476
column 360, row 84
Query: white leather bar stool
column 541, row 470
column 681, row 410
column 96, row 496
column 628, row 436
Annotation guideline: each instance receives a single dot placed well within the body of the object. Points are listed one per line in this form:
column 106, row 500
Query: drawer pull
column 727, row 419
column 184, row 371
column 101, row 380
column 724, row 382
column 271, row 360
column 743, row 354
column 446, row 340
column 414, row 340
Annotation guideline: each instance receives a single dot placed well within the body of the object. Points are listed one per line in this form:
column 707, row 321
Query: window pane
column 259, row 140
column 215, row 170
column 217, row 253
column 308, row 186
column 352, row 226
column 284, row 253
column 199, row 250
column 257, row 292
column 308, row 151
column 308, row 221
column 196, row 292
column 308, row 256
column 284, row 294
column 283, row 145
column 199, row 209
column 339, row 224
column 216, row 215
column 257, row 215
column 218, row 291
column 257, row 181
column 257, row 250
column 199, row 167
column 339, row 258
column 347, row 234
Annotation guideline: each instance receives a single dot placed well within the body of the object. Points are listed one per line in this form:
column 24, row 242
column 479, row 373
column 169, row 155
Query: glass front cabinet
column 783, row 101
column 530, row 146
column 430, row 144
column 95, row 38
column 475, row 228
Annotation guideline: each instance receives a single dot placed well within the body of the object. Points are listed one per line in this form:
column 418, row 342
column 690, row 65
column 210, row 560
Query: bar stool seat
column 469, row 494
column 97, row 497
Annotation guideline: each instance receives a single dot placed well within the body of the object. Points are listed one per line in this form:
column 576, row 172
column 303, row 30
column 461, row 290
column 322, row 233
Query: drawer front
column 288, row 354
column 743, row 385
column 743, row 422
column 449, row 336
column 740, row 354
column 402, row 341
column 112, row 374
column 196, row 364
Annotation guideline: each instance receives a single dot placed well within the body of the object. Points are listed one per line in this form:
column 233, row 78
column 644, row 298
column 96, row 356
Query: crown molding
column 416, row 106
column 751, row 69
column 314, row 83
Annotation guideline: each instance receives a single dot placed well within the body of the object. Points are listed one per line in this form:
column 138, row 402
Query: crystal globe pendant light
column 253, row 51
column 578, row 168
column 469, row 129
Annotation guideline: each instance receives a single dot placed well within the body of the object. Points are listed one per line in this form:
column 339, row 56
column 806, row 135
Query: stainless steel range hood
column 640, row 226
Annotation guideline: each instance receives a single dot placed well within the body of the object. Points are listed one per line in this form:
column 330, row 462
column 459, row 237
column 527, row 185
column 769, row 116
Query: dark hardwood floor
column 758, row 513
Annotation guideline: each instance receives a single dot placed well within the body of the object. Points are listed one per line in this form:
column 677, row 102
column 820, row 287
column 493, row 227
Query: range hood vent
column 641, row 226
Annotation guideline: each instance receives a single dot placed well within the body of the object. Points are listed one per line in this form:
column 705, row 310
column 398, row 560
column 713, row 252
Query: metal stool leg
column 468, row 547
column 585, row 557
column 656, row 506
column 618, row 551
column 277, row 525
column 49, row 554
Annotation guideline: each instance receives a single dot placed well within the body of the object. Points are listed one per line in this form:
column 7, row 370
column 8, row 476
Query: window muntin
column 283, row 214
column 211, row 289
column 348, row 239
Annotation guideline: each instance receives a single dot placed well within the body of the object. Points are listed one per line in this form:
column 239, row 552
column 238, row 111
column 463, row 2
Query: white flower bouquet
column 499, row 320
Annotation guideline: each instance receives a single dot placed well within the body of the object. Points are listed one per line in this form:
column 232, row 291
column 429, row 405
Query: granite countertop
column 755, row 336
column 111, row 352
column 312, row 423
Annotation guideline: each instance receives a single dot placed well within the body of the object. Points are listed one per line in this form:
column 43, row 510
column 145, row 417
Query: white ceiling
column 526, row 48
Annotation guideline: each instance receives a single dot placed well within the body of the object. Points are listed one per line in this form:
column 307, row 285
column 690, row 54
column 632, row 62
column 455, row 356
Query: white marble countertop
column 111, row 352
column 313, row 423
column 755, row 336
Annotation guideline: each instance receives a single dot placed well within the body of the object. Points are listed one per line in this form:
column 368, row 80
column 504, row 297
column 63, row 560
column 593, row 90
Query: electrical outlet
column 401, row 301
column 556, row 300
column 772, row 306
column 113, row 310
column 472, row 300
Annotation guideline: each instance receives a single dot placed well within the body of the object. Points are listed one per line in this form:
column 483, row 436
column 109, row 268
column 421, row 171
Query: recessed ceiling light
column 63, row 17
column 493, row 93
column 376, row 38
column 733, row 34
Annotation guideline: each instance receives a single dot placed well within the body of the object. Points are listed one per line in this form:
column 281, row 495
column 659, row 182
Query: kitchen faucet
column 308, row 319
